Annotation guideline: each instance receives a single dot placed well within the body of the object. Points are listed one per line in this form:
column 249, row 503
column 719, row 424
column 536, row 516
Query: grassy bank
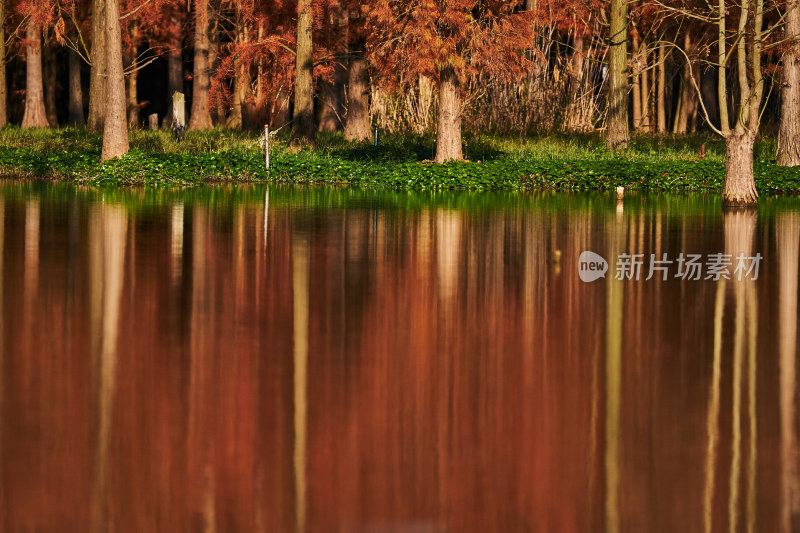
column 575, row 163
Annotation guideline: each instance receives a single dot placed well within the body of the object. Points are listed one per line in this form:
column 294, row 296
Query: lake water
column 254, row 359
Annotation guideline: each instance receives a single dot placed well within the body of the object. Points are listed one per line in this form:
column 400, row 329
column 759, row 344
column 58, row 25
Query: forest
column 446, row 67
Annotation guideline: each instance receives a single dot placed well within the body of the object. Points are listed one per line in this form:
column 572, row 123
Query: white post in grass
column 376, row 135
column 266, row 145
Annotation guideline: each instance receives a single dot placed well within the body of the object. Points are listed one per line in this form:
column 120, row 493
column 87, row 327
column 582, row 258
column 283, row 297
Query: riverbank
column 557, row 162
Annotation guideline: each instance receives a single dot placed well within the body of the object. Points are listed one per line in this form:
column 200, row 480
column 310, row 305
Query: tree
column 35, row 115
column 75, row 98
column 449, row 41
column 3, row 98
column 789, row 133
column 115, row 129
column 98, row 72
column 303, row 132
column 201, row 117
column 617, row 134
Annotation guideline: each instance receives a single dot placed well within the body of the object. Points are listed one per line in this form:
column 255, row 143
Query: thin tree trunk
column 76, row 116
column 303, row 120
column 35, row 115
column 133, row 96
column 3, row 97
column 201, row 118
column 50, row 80
column 98, row 74
column 357, row 123
column 220, row 115
column 637, row 89
column 174, row 64
column 662, row 87
column 788, row 152
column 645, row 91
column 617, row 134
column 740, row 190
column 687, row 90
column 115, row 129
column 722, row 92
column 576, row 120
column 448, row 133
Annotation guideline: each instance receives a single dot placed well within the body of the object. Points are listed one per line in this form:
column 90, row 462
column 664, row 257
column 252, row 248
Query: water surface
column 253, row 359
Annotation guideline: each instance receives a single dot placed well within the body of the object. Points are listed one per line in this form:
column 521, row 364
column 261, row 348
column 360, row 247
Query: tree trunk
column 50, row 62
column 115, row 129
column 576, row 120
column 303, row 120
column 35, row 115
column 174, row 64
column 3, row 97
column 98, row 74
column 644, row 86
column 617, row 135
column 76, row 116
column 133, row 100
column 637, row 69
column 740, row 186
column 357, row 123
column 687, row 90
column 448, row 133
column 662, row 87
column 201, row 118
column 330, row 115
column 789, row 132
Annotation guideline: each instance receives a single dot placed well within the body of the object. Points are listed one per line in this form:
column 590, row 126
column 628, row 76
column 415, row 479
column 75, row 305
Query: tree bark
column 35, row 115
column 3, row 97
column 788, row 152
column 687, row 90
column 76, row 116
column 740, row 185
column 576, row 121
column 332, row 110
column 617, row 134
column 647, row 122
column 662, row 87
column 174, row 64
column 357, row 123
column 448, row 133
column 637, row 69
column 98, row 74
column 115, row 128
column 201, row 118
column 303, row 119
column 50, row 62
column 133, row 96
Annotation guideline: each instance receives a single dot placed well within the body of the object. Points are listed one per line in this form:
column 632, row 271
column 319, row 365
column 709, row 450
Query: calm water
column 333, row 360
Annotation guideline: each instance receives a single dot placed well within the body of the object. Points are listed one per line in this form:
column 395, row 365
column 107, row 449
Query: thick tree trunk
column 201, row 118
column 789, row 132
column 3, row 97
column 662, row 87
column 98, row 74
column 617, row 134
column 50, row 62
column 448, row 133
column 637, row 69
column 332, row 111
column 115, row 129
column 357, row 123
column 35, row 115
column 740, row 186
column 76, row 116
column 303, row 120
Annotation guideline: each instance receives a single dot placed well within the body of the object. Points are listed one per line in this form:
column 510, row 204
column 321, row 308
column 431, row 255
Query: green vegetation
column 555, row 162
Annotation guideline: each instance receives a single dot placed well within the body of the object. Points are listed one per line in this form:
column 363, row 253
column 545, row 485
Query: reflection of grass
column 558, row 162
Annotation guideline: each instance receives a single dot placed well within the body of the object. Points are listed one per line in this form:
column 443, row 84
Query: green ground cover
column 554, row 162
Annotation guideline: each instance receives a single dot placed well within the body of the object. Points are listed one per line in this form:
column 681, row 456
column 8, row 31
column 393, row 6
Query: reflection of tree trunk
column 114, row 228
column 300, row 282
column 788, row 236
column 614, row 301
column 712, row 414
column 448, row 245
column 177, row 242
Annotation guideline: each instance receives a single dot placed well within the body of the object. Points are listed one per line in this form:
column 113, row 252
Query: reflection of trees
column 300, row 299
column 788, row 238
column 739, row 229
